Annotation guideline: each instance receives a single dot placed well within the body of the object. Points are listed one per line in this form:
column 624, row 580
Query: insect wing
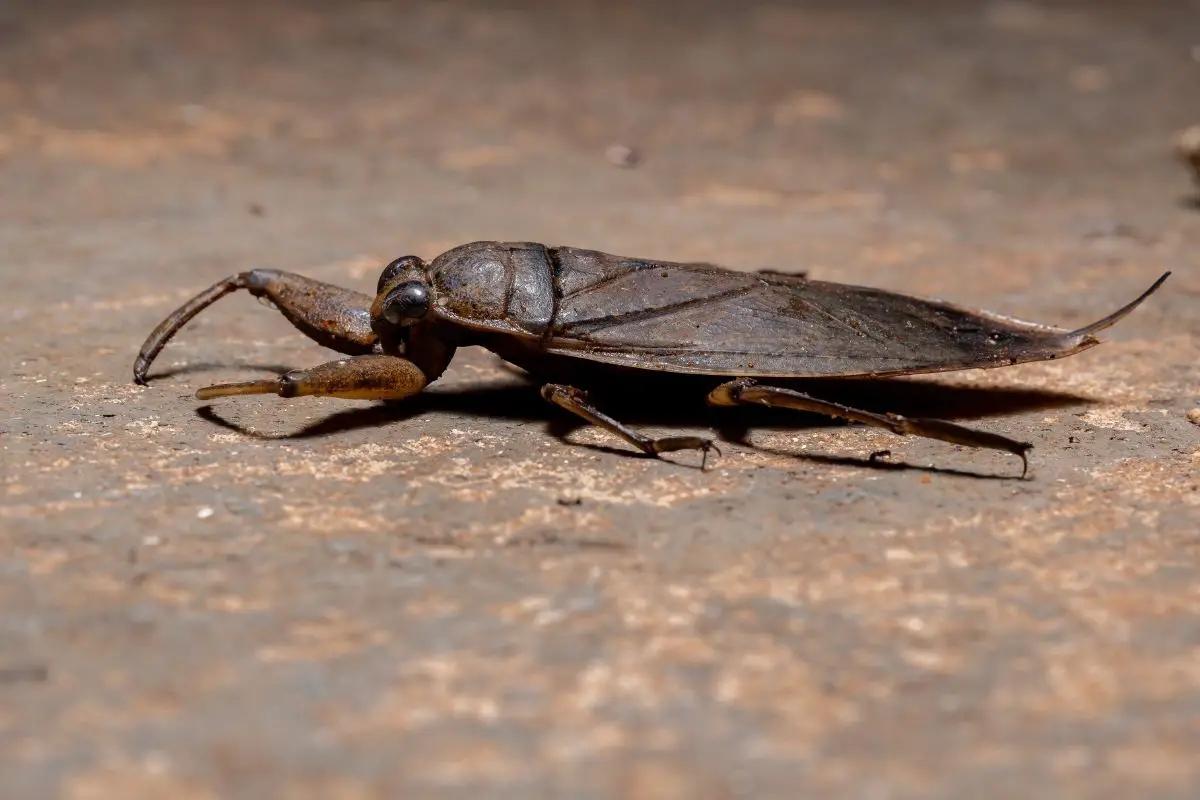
column 702, row 319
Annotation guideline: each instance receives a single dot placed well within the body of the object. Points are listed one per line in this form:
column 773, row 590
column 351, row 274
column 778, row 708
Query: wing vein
column 598, row 284
column 843, row 323
column 610, row 320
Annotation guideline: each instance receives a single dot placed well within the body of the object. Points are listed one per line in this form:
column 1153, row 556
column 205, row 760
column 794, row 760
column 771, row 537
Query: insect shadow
column 672, row 400
column 206, row 366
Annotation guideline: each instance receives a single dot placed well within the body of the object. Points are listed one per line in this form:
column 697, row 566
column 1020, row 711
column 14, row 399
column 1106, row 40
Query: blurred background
column 863, row 140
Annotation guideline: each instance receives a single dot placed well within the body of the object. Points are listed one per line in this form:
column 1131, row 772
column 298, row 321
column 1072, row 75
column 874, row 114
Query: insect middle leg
column 337, row 318
column 372, row 377
column 746, row 390
column 576, row 402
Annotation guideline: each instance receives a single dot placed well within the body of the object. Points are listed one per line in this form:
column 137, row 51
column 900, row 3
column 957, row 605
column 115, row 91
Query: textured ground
column 326, row 599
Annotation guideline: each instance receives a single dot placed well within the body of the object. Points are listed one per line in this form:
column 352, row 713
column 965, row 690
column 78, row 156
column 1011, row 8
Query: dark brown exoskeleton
column 538, row 306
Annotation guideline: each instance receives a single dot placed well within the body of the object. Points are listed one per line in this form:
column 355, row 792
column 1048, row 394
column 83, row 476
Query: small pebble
column 1194, row 416
column 1188, row 148
column 204, row 513
column 622, row 156
column 151, row 541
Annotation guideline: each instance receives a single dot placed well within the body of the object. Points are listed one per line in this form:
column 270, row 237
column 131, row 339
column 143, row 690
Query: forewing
column 698, row 318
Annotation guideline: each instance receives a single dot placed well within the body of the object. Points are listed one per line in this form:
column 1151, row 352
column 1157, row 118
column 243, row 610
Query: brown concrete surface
column 325, row 599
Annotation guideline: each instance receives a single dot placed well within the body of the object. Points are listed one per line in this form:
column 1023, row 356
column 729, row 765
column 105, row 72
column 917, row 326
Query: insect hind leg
column 746, row 390
column 576, row 402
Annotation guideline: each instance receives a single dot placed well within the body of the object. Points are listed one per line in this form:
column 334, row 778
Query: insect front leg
column 576, row 402
column 334, row 317
column 745, row 390
column 372, row 377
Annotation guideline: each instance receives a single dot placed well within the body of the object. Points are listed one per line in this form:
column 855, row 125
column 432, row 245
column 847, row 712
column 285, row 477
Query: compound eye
column 401, row 264
column 406, row 303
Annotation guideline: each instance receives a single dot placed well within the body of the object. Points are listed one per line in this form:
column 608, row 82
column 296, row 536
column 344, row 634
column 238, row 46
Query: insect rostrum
column 547, row 308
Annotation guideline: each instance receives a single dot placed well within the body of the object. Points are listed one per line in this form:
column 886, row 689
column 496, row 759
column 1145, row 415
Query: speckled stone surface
column 462, row 597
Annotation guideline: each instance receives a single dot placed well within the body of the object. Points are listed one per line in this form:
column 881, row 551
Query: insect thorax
column 496, row 282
